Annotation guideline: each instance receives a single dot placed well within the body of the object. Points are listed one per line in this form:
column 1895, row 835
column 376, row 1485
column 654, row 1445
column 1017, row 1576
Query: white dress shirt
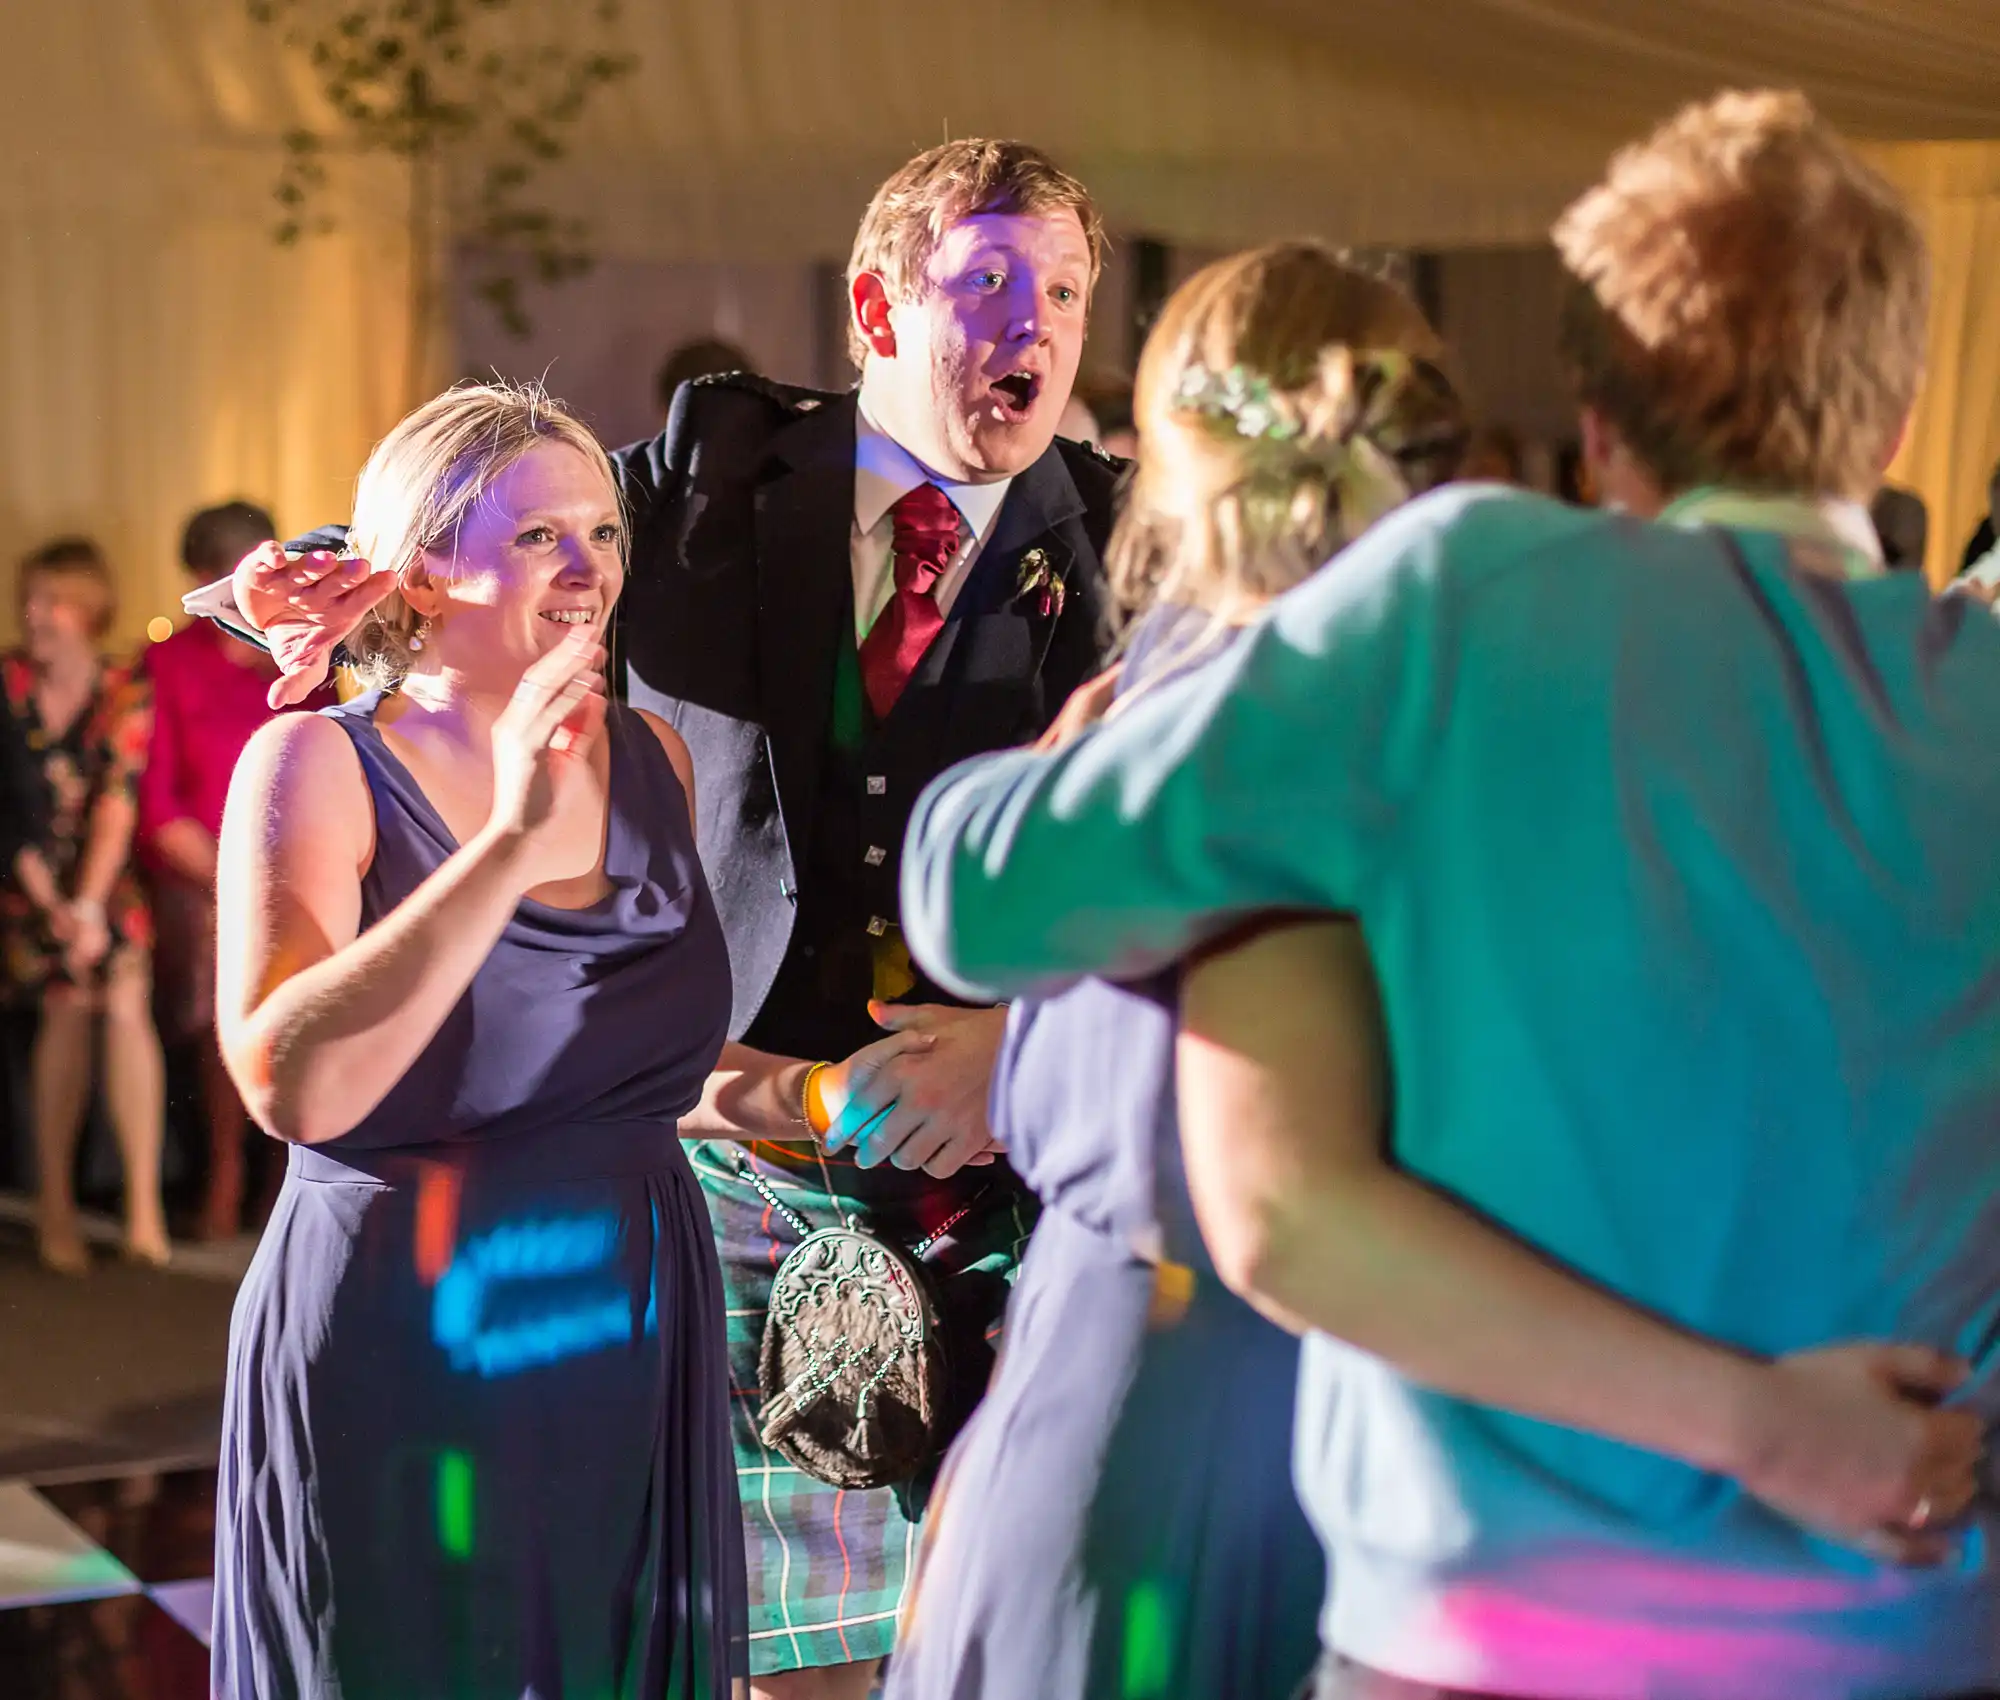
column 885, row 472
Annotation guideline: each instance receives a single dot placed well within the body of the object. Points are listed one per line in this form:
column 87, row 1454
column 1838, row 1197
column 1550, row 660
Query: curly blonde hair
column 421, row 481
column 1350, row 413
column 1747, row 302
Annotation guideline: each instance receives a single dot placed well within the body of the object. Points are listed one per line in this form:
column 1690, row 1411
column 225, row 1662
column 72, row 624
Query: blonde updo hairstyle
column 1284, row 402
column 423, row 479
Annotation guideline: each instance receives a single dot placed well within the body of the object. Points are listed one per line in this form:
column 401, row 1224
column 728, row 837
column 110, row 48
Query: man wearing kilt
column 834, row 597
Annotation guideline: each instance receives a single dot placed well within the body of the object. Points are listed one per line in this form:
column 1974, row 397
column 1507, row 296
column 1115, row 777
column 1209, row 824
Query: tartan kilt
column 828, row 1565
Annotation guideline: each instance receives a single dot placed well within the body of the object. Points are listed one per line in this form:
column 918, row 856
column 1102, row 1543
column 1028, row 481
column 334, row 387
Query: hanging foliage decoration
column 447, row 81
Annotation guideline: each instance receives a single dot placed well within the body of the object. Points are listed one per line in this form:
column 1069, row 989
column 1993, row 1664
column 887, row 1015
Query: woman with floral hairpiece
column 1119, row 1516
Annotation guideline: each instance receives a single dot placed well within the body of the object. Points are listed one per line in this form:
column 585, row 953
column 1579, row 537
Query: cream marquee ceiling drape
column 160, row 351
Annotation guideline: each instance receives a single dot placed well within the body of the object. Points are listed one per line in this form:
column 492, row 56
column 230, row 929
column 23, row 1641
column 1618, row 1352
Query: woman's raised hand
column 542, row 742
column 304, row 607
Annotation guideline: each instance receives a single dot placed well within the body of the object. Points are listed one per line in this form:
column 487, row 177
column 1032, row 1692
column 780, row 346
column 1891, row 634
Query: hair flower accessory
column 1240, row 398
column 1040, row 581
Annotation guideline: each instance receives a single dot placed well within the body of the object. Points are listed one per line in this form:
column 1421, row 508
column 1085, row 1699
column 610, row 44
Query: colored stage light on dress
column 454, row 1503
column 530, row 1293
column 1149, row 1643
column 438, row 1189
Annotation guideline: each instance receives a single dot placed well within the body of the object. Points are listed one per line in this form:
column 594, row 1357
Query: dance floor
column 104, row 1586
column 110, row 1409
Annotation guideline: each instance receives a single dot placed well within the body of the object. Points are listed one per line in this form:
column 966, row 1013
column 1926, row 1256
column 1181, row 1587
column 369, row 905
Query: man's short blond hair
column 911, row 212
column 1747, row 301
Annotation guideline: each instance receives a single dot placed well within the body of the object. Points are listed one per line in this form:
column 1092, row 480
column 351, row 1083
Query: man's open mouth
column 1017, row 392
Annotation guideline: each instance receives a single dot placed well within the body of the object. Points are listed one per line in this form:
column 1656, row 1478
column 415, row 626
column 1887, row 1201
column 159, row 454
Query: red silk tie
column 926, row 539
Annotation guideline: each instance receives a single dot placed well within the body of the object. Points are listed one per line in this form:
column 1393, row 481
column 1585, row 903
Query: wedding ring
column 1921, row 1516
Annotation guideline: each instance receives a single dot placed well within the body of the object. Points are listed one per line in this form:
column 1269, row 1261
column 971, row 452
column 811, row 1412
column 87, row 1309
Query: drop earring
column 423, row 631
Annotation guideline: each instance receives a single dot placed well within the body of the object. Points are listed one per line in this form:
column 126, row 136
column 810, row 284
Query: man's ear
column 868, row 300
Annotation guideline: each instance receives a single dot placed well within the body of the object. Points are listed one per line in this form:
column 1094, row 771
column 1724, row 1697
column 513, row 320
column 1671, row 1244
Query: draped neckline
column 623, row 909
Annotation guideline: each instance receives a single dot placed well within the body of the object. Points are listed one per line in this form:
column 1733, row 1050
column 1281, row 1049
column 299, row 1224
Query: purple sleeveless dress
column 476, row 1434
column 1118, row 1518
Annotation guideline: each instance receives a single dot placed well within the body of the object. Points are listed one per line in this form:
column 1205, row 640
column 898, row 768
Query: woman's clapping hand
column 542, row 742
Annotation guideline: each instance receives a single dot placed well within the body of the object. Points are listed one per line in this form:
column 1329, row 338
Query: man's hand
column 1849, row 1442
column 304, row 608
column 925, row 1108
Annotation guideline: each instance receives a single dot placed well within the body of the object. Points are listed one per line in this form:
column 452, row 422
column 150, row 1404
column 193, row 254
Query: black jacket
column 740, row 597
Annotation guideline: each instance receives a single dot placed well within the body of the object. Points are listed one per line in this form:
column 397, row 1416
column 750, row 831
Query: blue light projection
column 532, row 1292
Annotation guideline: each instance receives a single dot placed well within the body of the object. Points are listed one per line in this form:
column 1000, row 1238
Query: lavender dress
column 476, row 1437
column 1118, row 1518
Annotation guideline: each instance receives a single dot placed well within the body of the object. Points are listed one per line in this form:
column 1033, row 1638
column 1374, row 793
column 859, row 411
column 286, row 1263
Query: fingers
column 551, row 689
column 354, row 598
column 578, row 649
column 262, row 567
column 870, row 1084
column 267, row 579
column 1920, row 1371
column 964, row 1149
column 568, row 703
column 903, row 1017
column 1896, row 1546
column 303, row 654
column 860, row 1121
column 1948, row 1476
column 889, row 1138
column 870, row 1070
column 921, row 1017
column 578, row 656
column 317, row 569
column 580, row 730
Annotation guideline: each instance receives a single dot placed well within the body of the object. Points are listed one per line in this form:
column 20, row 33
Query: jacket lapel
column 805, row 587
column 1039, row 503
column 976, row 681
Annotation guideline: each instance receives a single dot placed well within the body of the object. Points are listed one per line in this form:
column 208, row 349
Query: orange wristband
column 813, row 1101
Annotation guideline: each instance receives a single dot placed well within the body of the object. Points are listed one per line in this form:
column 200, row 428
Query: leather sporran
column 853, row 1365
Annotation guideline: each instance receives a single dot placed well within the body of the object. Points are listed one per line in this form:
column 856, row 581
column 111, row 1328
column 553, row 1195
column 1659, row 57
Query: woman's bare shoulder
column 302, row 774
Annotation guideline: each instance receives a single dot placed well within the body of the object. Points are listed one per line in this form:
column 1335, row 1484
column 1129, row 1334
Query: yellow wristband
column 813, row 1101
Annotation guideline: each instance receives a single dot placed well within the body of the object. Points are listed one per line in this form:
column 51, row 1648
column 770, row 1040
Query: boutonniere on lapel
column 1039, row 590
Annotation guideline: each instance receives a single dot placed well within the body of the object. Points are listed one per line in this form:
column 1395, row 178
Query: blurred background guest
column 208, row 698
column 1117, row 435
column 707, row 357
column 1495, row 456
column 20, row 792
column 75, row 926
column 1902, row 526
column 1078, row 423
column 1987, row 532
column 20, row 826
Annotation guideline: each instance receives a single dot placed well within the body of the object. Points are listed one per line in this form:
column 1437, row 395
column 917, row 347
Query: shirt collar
column 1841, row 525
column 885, row 471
